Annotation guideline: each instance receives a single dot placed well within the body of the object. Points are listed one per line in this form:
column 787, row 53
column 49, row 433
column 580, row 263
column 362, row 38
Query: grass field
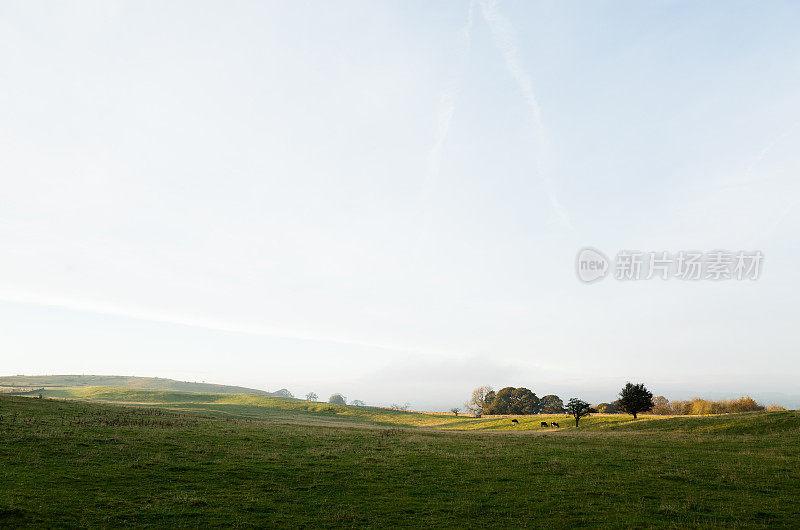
column 170, row 458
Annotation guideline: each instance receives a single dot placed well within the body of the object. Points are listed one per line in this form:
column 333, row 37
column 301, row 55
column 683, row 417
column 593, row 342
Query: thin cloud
column 142, row 314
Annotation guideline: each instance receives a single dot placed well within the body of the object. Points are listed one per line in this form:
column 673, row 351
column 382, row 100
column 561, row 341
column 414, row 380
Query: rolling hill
column 152, row 383
column 120, row 457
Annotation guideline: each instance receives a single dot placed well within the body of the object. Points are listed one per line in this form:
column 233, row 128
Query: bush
column 699, row 406
column 337, row 399
column 608, row 408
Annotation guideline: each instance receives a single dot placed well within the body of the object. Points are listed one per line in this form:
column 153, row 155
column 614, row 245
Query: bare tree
column 312, row 396
column 478, row 402
column 455, row 410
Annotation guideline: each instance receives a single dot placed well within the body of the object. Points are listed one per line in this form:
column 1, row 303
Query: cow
column 515, row 421
column 544, row 424
column 556, row 425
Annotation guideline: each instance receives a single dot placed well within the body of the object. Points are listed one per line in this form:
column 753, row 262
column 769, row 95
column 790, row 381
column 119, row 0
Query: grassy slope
column 300, row 411
column 157, row 383
column 87, row 463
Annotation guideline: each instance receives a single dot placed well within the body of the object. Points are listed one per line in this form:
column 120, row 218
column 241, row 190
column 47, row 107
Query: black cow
column 544, row 424
column 515, row 421
column 554, row 424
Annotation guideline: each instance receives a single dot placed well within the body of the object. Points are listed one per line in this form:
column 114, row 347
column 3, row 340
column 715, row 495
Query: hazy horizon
column 386, row 199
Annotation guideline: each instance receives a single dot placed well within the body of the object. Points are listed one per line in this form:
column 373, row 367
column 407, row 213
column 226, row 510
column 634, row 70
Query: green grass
column 202, row 460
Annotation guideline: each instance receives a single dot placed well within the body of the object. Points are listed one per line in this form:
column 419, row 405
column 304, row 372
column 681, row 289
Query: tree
column 490, row 395
column 481, row 397
column 283, row 393
column 634, row 399
column 551, row 404
column 358, row 403
column 455, row 410
column 510, row 400
column 525, row 401
column 337, row 399
column 312, row 396
column 577, row 408
column 661, row 405
column 501, row 402
column 608, row 408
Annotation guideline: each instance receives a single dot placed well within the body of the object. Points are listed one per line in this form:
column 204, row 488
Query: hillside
column 153, row 383
column 261, row 407
column 250, row 460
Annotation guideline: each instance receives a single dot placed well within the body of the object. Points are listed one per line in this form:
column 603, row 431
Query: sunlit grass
column 267, row 407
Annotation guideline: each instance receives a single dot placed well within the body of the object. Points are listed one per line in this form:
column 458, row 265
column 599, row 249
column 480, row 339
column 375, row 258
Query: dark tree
column 551, row 404
column 490, row 395
column 577, row 408
column 501, row 401
column 634, row 399
column 510, row 400
column 525, row 402
column 337, row 399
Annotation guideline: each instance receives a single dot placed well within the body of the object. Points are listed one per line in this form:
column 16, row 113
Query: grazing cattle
column 515, row 421
column 554, row 424
column 544, row 424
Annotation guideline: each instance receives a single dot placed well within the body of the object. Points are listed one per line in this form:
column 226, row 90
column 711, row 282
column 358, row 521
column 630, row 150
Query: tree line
column 510, row 400
column 695, row 406
column 336, row 399
column 633, row 399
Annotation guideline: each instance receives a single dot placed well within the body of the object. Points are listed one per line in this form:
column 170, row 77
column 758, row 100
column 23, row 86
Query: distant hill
column 152, row 383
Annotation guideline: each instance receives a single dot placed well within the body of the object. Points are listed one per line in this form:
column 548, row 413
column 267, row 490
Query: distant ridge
column 152, row 383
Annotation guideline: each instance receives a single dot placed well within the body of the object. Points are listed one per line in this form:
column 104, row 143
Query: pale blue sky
column 386, row 199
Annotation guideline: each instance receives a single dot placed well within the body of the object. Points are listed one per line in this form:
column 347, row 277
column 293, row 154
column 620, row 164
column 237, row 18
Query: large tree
column 634, row 399
column 577, row 408
column 479, row 401
column 510, row 400
column 500, row 403
column 551, row 404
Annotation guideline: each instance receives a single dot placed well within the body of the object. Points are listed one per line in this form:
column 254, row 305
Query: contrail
column 503, row 36
column 775, row 141
column 759, row 158
column 447, row 107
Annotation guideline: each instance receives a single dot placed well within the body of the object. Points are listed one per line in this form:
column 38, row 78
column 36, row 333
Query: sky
column 386, row 199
